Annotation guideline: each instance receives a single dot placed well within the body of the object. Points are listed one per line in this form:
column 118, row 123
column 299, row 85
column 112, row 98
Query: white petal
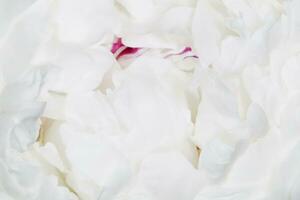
column 84, row 23
column 163, row 175
column 20, row 44
column 77, row 70
column 10, row 10
column 96, row 159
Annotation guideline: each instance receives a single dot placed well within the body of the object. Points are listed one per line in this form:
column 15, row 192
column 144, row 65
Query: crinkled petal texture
column 28, row 181
column 19, row 119
column 226, row 123
column 95, row 21
column 102, row 140
column 233, row 34
column 155, row 26
column 249, row 98
column 149, row 100
column 21, row 111
column 162, row 174
column 10, row 10
column 76, row 70
column 145, row 101
column 20, row 44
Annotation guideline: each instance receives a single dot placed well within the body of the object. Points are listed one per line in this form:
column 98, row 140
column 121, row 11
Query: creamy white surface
column 219, row 122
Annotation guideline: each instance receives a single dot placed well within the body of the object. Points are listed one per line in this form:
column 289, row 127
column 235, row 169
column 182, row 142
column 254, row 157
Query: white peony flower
column 149, row 100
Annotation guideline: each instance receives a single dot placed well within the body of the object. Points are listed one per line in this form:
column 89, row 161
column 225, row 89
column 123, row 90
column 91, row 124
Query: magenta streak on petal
column 185, row 50
column 193, row 56
column 117, row 45
column 120, row 50
column 128, row 51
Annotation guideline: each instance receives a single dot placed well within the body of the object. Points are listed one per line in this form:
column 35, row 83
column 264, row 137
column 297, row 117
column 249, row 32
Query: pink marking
column 120, row 50
column 117, row 45
column 128, row 51
column 185, row 50
column 194, row 56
